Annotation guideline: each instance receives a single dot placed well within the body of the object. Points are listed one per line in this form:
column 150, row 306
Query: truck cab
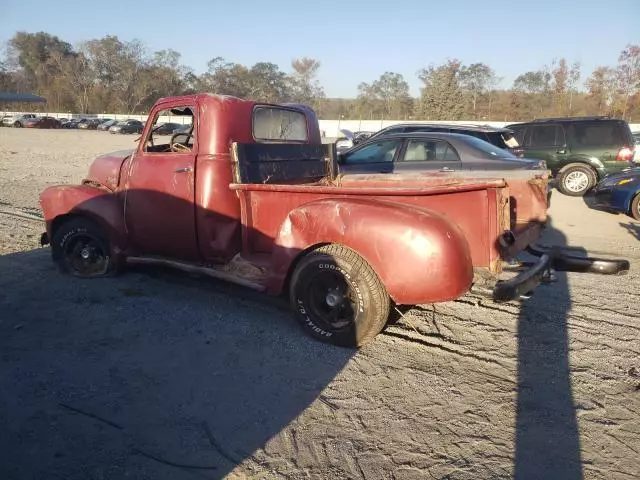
column 249, row 194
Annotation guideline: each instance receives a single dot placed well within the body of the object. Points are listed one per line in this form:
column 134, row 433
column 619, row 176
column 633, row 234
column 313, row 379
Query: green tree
column 441, row 94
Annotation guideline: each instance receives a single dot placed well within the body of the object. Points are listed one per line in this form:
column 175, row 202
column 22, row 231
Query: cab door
column 159, row 201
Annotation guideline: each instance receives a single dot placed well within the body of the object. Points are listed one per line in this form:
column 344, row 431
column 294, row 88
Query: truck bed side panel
column 471, row 211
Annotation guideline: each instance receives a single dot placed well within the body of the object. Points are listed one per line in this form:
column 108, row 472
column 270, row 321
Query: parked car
column 349, row 139
column 421, row 151
column 619, row 192
column 636, row 139
column 500, row 137
column 249, row 202
column 18, row 121
column 127, row 126
column 90, row 124
column 167, row 128
column 71, row 123
column 182, row 129
column 106, row 125
column 579, row 151
column 42, row 122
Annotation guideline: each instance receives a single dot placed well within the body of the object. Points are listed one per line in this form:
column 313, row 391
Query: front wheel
column 81, row 247
column 576, row 180
column 338, row 298
column 17, row 125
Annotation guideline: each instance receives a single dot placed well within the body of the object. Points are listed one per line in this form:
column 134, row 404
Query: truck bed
column 274, row 180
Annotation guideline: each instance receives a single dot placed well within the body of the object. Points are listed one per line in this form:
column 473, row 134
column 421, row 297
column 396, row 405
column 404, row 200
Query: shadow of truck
column 128, row 376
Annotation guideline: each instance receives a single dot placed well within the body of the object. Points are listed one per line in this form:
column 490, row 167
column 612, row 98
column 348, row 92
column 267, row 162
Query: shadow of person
column 547, row 438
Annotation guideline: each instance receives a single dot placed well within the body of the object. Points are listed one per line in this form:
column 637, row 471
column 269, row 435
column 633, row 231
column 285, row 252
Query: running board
column 199, row 270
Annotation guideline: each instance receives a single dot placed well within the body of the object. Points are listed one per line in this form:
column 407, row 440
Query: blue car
column 620, row 192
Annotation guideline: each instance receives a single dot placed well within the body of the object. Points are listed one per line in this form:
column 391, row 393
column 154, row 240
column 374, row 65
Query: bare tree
column 628, row 74
column 572, row 83
column 475, row 80
column 601, row 88
column 304, row 84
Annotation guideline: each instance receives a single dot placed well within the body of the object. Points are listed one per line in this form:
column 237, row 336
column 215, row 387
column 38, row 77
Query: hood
column 105, row 169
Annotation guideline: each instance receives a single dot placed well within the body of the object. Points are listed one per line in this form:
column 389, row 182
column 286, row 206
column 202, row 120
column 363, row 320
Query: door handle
column 183, row 170
column 446, row 169
column 561, row 151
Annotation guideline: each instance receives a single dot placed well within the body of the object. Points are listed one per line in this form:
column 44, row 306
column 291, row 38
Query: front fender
column 62, row 201
column 419, row 255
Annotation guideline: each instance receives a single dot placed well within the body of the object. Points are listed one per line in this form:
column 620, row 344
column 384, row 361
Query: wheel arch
column 630, row 198
column 62, row 203
column 286, row 283
column 583, row 161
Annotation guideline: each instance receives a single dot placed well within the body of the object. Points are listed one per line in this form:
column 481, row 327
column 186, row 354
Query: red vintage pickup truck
column 249, row 194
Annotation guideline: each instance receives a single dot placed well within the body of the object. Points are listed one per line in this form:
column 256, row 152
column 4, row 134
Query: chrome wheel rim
column 576, row 181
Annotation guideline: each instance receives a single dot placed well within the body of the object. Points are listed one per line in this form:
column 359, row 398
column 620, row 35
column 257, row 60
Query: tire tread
column 378, row 292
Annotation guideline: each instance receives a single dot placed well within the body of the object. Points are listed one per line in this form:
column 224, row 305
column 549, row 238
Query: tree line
column 116, row 76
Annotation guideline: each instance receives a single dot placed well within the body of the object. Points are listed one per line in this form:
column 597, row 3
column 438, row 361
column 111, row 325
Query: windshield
column 488, row 150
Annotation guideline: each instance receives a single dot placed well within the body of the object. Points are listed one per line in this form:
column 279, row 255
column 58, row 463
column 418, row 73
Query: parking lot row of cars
column 129, row 126
column 579, row 151
column 595, row 154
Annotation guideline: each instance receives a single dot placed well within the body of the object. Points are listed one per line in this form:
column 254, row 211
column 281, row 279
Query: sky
column 354, row 41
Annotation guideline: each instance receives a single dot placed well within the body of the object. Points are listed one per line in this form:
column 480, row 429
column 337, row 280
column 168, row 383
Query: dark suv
column 500, row 137
column 579, row 151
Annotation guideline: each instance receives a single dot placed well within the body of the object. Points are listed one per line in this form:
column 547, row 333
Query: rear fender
column 419, row 255
column 64, row 201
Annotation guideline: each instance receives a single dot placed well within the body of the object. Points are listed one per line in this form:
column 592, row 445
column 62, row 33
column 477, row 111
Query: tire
column 317, row 281
column 17, row 125
column 575, row 180
column 80, row 247
column 635, row 207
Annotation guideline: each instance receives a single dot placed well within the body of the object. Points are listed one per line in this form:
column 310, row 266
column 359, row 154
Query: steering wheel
column 180, row 147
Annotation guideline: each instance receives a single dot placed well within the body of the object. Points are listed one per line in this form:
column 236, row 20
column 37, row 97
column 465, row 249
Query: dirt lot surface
column 156, row 375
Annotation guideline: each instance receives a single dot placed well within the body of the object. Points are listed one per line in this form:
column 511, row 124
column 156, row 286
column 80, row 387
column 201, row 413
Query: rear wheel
column 635, row 207
column 576, row 180
column 81, row 247
column 338, row 298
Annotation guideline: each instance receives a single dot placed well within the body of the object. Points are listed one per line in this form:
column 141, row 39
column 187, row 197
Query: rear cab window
column 277, row 124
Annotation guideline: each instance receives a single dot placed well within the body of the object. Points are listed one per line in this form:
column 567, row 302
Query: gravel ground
column 155, row 375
